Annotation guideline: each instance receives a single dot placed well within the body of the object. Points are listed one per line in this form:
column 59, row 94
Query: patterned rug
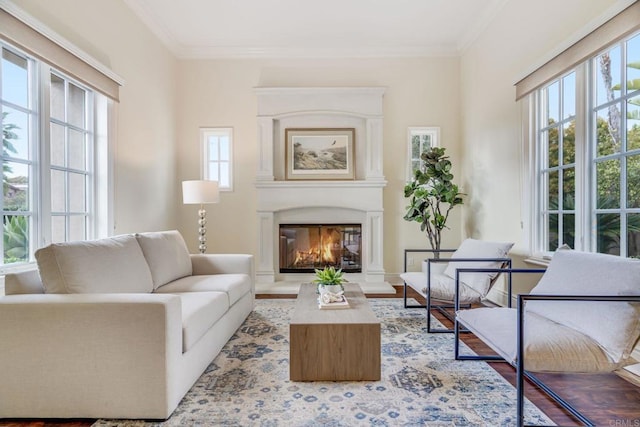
column 422, row 385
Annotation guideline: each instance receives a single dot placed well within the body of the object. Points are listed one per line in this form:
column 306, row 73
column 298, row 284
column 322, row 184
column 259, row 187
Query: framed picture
column 319, row 154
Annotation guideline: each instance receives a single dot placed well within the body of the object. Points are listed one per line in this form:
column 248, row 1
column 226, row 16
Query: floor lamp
column 200, row 192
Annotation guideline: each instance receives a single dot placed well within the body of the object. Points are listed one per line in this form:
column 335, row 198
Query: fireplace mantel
column 359, row 200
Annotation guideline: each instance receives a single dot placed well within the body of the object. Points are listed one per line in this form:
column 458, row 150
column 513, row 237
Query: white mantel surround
column 327, row 202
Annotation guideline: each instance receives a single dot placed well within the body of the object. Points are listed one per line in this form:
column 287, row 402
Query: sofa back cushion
column 112, row 265
column 472, row 248
column 615, row 326
column 167, row 255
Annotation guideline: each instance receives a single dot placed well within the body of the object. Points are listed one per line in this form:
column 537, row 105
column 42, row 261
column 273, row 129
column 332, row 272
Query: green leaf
column 432, row 193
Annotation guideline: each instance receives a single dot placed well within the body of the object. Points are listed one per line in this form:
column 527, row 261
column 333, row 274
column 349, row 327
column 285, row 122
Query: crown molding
column 218, row 52
column 146, row 14
column 481, row 24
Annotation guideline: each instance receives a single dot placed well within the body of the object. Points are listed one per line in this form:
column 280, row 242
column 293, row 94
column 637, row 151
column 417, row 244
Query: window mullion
column 42, row 186
column 582, row 160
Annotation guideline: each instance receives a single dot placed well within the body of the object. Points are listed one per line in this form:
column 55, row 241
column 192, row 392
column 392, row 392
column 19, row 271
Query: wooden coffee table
column 334, row 345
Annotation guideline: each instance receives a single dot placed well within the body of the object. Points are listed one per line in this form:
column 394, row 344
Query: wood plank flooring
column 605, row 398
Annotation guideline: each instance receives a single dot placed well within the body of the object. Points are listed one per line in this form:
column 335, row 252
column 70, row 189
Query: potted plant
column 432, row 195
column 329, row 280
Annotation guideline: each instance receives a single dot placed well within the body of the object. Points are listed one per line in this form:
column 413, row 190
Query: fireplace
column 305, row 247
column 326, row 202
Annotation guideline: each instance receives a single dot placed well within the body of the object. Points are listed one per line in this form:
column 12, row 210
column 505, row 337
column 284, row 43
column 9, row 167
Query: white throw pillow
column 112, row 265
column 472, row 248
column 615, row 326
column 167, row 255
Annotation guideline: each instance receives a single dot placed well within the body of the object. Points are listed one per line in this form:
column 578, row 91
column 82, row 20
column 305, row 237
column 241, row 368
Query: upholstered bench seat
column 232, row 285
column 442, row 287
column 497, row 327
column 200, row 311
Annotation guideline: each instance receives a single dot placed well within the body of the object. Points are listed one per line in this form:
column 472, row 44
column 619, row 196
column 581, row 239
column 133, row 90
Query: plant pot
column 334, row 289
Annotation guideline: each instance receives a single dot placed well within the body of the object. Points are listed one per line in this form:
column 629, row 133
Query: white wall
column 491, row 119
column 145, row 173
column 164, row 102
column 419, row 92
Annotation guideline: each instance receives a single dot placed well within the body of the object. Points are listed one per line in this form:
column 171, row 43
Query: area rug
column 422, row 384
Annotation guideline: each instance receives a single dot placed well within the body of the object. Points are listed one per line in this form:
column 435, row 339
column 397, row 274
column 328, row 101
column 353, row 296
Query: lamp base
column 202, row 230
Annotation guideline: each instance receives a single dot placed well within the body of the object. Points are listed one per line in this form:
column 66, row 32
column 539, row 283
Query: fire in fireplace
column 305, row 247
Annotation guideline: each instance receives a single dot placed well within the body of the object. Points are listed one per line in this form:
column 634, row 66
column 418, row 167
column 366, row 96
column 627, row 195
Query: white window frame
column 432, row 131
column 205, row 133
column 99, row 193
column 534, row 191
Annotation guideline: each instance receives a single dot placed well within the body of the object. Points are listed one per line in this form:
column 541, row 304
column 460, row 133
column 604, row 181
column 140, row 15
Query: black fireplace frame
column 345, row 268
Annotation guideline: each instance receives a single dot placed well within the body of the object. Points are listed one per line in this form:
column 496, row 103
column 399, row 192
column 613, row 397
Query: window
column 217, row 154
column 18, row 106
column 47, row 158
column 558, row 168
column 71, row 137
column 420, row 139
column 588, row 154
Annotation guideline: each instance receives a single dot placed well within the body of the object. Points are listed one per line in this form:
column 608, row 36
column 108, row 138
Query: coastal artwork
column 320, row 153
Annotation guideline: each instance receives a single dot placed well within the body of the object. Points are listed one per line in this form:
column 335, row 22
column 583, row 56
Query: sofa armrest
column 222, row 264
column 25, row 282
column 101, row 349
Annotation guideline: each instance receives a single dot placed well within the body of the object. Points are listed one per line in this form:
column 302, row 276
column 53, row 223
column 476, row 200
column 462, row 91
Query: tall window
column 217, row 151
column 558, row 161
column 71, row 137
column 19, row 115
column 47, row 156
column 616, row 149
column 588, row 140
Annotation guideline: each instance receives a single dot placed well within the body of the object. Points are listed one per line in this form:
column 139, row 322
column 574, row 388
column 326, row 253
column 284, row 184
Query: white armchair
column 583, row 316
column 436, row 281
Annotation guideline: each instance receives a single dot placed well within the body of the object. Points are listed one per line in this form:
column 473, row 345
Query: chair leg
column 431, row 330
column 520, row 393
column 405, row 297
column 556, row 398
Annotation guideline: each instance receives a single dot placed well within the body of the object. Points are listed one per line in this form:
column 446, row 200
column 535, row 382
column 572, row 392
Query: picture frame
column 319, row 154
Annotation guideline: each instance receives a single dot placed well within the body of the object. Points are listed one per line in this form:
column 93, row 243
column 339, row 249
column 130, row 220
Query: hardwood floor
column 606, row 399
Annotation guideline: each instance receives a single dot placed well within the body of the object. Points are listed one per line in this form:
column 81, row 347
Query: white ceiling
column 315, row 28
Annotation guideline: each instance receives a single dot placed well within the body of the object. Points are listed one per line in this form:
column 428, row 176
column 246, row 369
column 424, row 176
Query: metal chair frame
column 521, row 373
column 442, row 308
column 407, row 251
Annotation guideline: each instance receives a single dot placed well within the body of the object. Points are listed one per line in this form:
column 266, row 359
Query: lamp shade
column 200, row 192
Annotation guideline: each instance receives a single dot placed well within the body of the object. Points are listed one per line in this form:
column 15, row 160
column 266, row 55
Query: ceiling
column 315, row 28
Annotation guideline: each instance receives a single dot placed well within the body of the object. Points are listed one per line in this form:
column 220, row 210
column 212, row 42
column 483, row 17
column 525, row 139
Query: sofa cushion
column 199, row 313
column 112, row 265
column 472, row 248
column 442, row 287
column 549, row 346
column 25, row 282
column 234, row 285
column 167, row 255
column 615, row 326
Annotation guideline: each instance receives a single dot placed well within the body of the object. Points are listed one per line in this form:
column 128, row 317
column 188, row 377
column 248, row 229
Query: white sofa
column 116, row 328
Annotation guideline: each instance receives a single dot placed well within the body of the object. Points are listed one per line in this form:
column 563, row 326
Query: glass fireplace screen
column 305, row 247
